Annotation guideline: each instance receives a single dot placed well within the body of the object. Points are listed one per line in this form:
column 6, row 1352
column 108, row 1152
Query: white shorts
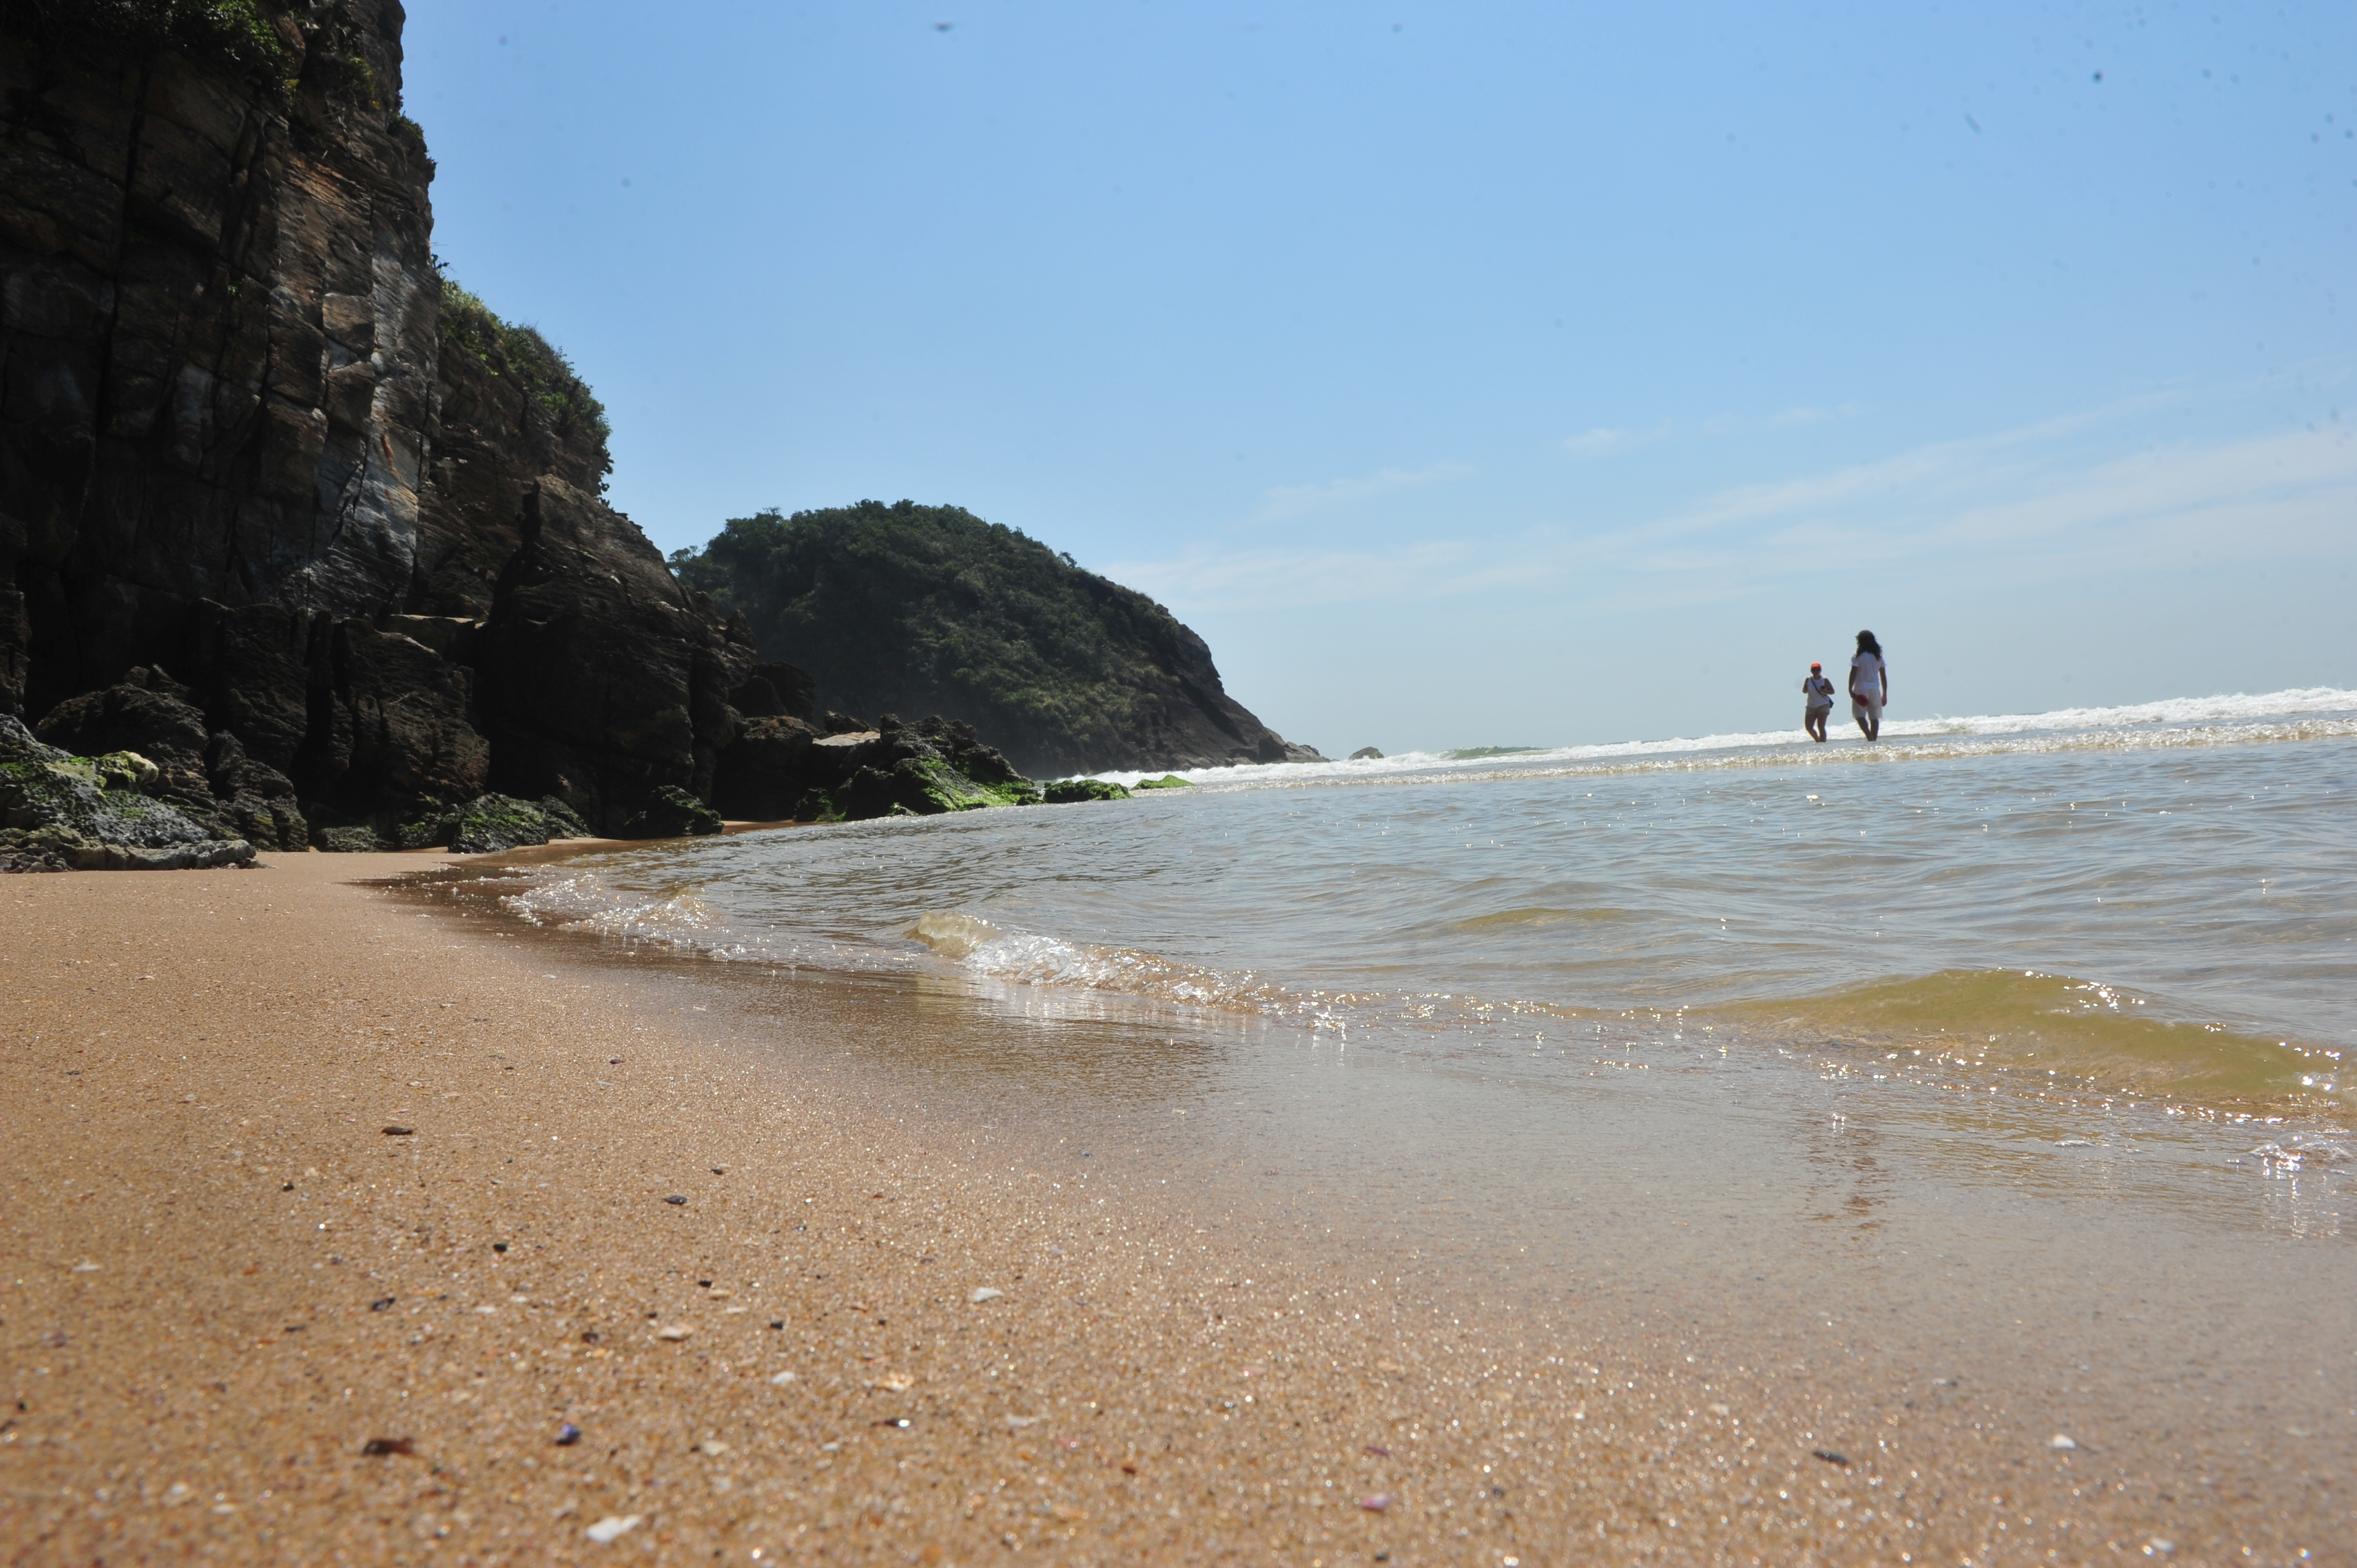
column 1864, row 709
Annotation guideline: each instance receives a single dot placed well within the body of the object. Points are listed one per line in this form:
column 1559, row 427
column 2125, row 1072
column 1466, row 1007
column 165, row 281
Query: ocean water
column 2150, row 908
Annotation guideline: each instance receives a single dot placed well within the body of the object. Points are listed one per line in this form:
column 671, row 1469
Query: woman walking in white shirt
column 1869, row 686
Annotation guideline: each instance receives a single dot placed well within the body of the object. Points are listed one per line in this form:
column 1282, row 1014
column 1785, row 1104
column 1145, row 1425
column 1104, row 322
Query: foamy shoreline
column 227, row 1278
column 2299, row 713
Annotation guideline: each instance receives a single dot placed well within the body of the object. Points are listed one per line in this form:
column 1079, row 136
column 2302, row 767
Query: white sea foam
column 1025, row 958
column 587, row 901
column 2303, row 713
column 592, row 903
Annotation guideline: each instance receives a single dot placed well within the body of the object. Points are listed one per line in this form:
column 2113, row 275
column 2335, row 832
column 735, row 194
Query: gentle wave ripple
column 2152, row 902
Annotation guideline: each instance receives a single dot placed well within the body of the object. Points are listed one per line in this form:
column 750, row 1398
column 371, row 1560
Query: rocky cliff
column 930, row 609
column 255, row 450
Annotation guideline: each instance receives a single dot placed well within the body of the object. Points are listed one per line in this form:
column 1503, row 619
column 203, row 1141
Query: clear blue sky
column 1482, row 373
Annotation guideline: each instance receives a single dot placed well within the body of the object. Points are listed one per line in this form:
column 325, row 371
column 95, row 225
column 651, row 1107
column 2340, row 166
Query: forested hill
column 918, row 609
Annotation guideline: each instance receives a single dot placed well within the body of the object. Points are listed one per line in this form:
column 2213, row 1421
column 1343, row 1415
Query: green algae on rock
column 64, row 812
column 484, row 825
column 1067, row 791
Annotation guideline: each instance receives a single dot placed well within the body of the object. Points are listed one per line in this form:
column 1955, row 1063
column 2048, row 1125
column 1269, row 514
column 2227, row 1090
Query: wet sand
column 226, row 1283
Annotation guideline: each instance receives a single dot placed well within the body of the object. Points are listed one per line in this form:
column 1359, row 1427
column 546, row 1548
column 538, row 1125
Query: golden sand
column 245, row 1321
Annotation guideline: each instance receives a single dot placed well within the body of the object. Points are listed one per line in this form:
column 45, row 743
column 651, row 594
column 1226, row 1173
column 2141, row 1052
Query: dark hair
column 1866, row 644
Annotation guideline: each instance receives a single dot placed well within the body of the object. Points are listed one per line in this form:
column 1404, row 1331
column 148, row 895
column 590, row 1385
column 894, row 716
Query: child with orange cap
column 1820, row 694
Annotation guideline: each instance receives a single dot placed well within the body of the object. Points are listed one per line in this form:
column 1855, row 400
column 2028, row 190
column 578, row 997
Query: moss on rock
column 1067, row 791
column 490, row 823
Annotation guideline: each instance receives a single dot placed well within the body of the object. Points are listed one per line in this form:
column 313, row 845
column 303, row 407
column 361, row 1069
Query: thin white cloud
column 1606, row 442
column 2025, row 500
column 1292, row 500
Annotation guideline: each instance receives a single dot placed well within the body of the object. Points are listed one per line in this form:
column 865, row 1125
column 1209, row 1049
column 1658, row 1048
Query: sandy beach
column 340, row 1230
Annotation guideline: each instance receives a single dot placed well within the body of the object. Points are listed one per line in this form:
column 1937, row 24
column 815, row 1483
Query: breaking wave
column 2307, row 713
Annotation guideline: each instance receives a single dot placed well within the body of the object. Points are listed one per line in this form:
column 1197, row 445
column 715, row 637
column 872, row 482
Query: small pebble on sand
column 673, row 1331
column 2058, row 1441
column 984, row 1293
column 612, row 1528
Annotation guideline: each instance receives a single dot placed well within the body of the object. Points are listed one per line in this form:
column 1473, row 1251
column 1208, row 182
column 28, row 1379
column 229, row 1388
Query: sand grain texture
column 225, row 1282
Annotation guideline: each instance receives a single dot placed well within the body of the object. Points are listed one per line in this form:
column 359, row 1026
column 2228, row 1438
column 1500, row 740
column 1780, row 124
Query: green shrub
column 230, row 35
column 538, row 368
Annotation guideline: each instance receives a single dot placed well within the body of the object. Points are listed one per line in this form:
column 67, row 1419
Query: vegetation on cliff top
column 538, row 368
column 913, row 608
column 239, row 37
column 231, row 34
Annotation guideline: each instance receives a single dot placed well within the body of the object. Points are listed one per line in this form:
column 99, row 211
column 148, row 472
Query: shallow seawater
column 2102, row 910
column 2013, row 1054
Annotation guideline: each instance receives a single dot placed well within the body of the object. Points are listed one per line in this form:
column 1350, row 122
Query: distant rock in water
column 912, row 609
column 1366, row 754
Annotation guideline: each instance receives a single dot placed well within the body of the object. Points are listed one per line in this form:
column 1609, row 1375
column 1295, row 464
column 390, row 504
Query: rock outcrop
column 930, row 609
column 250, row 436
column 784, row 767
column 112, row 813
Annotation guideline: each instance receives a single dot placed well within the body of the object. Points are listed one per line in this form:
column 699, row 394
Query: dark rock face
column 395, row 723
column 606, row 683
column 255, row 666
column 220, row 344
column 257, row 801
column 764, row 776
column 235, row 444
column 673, row 814
column 777, row 691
